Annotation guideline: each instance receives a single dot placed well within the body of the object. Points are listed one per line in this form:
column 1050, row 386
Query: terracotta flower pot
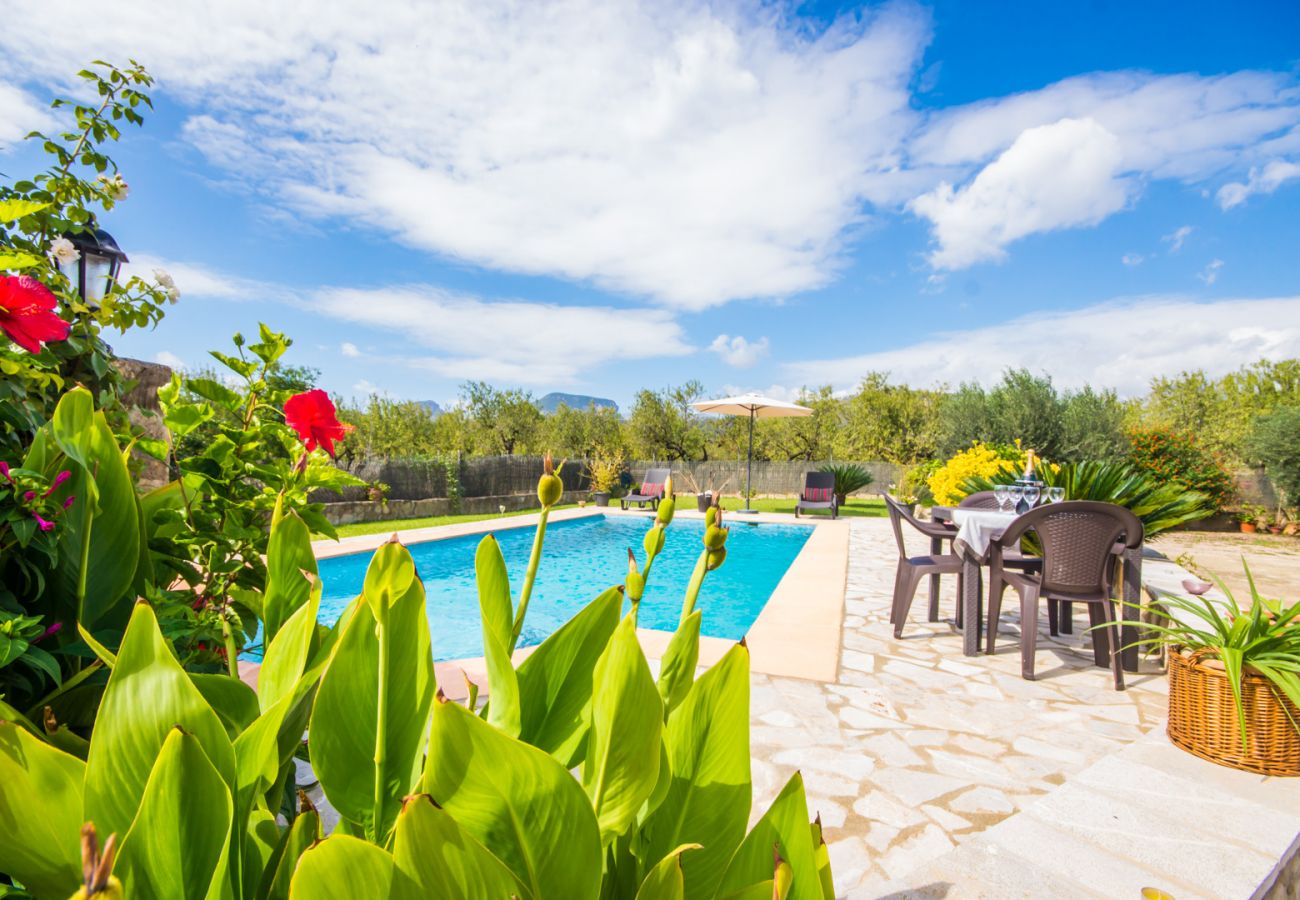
column 1247, row 527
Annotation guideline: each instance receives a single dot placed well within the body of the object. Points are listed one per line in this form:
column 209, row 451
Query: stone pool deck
column 938, row 775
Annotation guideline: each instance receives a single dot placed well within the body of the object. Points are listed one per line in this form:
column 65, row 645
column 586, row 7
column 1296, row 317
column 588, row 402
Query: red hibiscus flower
column 27, row 313
column 312, row 415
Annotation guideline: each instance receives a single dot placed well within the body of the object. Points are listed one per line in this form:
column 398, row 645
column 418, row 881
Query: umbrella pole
column 749, row 465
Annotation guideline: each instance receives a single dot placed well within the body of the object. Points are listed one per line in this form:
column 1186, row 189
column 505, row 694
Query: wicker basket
column 1203, row 718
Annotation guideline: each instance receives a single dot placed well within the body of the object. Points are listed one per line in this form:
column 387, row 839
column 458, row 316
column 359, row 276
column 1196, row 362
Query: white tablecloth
column 977, row 528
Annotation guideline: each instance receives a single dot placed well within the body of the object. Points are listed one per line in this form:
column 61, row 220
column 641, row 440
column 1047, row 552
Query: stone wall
column 348, row 512
column 142, row 401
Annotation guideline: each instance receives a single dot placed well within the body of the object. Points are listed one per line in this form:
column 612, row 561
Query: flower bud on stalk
column 715, row 537
column 716, row 558
column 634, row 586
column 549, row 487
column 653, row 541
column 664, row 514
column 96, row 867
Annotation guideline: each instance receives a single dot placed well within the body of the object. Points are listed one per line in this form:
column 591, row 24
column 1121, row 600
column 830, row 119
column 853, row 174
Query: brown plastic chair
column 1080, row 541
column 911, row 569
column 979, row 500
column 1012, row 558
column 816, row 486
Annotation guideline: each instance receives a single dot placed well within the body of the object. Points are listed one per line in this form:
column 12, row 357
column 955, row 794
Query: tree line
column 879, row 420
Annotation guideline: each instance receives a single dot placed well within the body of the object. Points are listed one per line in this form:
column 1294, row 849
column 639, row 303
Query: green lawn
column 855, row 507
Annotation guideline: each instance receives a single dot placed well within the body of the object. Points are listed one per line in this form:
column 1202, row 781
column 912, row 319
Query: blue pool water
column 582, row 558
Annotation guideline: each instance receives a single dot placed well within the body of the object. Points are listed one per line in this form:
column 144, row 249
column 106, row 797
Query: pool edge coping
column 796, row 635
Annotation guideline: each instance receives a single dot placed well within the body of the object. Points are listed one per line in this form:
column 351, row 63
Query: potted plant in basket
column 1234, row 679
column 603, row 470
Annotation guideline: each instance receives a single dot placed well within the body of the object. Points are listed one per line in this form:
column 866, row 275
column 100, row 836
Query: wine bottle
column 1029, row 466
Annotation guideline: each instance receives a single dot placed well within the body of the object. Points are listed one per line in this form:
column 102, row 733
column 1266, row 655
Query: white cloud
column 688, row 153
column 739, row 352
column 505, row 341
column 1260, row 181
column 169, row 359
column 1132, row 259
column 1210, row 273
column 20, row 114
column 1123, row 344
column 1062, row 175
column 1176, row 238
column 197, row 281
column 349, row 349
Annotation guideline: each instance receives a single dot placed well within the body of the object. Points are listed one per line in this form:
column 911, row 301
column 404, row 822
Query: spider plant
column 1161, row 505
column 1264, row 639
column 848, row 478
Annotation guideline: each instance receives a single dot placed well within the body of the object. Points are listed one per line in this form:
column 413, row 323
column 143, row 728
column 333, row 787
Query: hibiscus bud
column 654, row 540
column 714, row 537
column 549, row 487
column 665, row 512
column 634, row 585
column 716, row 558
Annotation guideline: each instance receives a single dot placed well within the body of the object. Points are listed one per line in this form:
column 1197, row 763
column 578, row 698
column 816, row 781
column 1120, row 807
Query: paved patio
column 914, row 750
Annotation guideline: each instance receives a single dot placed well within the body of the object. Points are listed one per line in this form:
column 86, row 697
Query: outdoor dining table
column 977, row 529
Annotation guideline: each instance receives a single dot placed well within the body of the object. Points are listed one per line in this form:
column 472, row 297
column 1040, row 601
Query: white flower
column 116, row 187
column 168, row 284
column 62, row 251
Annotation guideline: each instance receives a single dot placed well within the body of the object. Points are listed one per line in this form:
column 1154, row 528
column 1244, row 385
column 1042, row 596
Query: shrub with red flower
column 27, row 313
column 1177, row 456
column 313, row 416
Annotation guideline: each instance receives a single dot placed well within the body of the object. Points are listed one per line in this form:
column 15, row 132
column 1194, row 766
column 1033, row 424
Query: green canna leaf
column 290, row 573
column 372, row 706
column 665, row 881
column 517, row 801
column 555, row 681
column 279, row 868
column 14, row 208
column 262, row 839
column 388, row 577
column 622, row 762
column 677, row 668
column 177, row 845
column 442, row 860
column 106, row 514
column 498, row 625
column 148, row 695
column 234, row 702
column 785, row 827
column 40, row 813
column 823, row 856
column 345, row 868
column 708, row 797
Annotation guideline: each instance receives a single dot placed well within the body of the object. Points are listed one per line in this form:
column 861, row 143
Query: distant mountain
column 432, row 406
column 552, row 401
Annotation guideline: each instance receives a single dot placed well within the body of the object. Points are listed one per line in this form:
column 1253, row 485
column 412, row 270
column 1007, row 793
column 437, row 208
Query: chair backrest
column 898, row 514
column 818, row 485
column 654, row 481
column 979, row 500
column 1078, row 540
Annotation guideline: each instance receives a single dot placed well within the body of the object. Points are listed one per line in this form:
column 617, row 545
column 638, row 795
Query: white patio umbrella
column 752, row 405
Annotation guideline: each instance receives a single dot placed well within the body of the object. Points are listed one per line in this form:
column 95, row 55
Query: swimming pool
column 582, row 557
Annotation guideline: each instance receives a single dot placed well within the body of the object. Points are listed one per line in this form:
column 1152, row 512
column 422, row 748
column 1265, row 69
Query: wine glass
column 1031, row 495
column 1055, row 494
column 1017, row 493
column 1001, row 494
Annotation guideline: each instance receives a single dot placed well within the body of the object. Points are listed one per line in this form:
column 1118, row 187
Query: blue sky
column 604, row 196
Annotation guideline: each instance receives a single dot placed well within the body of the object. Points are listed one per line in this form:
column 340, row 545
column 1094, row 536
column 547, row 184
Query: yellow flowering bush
column 987, row 460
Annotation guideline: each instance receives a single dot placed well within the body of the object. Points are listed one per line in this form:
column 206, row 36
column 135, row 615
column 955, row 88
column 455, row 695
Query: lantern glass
column 100, row 273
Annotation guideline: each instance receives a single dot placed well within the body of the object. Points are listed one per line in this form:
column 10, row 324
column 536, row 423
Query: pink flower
column 27, row 313
column 68, row 502
column 44, row 525
column 4, row 470
column 51, row 631
column 29, row 496
column 58, row 480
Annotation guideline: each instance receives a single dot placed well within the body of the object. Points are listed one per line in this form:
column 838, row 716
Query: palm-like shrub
column 848, row 478
column 1161, row 505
